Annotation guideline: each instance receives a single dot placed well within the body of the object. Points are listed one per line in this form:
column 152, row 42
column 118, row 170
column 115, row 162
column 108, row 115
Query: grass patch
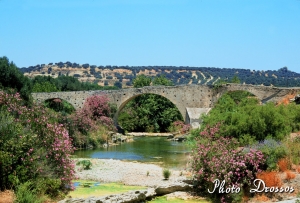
column 163, row 199
column 102, row 189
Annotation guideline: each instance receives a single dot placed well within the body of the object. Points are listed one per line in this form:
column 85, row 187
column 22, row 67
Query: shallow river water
column 143, row 149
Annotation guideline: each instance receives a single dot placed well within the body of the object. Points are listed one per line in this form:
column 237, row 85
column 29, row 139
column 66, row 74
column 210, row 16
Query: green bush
column 273, row 151
column 33, row 145
column 86, row 164
column 26, row 193
column 166, row 173
column 293, row 146
column 243, row 118
column 49, row 187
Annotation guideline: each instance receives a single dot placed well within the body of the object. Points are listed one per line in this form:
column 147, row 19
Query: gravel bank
column 129, row 173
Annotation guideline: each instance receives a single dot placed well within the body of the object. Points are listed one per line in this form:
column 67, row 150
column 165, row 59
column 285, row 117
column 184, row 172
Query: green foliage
column 59, row 105
column 12, row 77
column 86, row 164
column 63, row 83
column 149, row 113
column 239, row 95
column 292, row 147
column 11, row 145
column 44, row 87
column 166, row 173
column 272, row 150
column 27, row 193
column 32, row 145
column 219, row 83
column 243, row 118
column 141, row 81
column 162, row 80
column 235, row 79
column 50, row 187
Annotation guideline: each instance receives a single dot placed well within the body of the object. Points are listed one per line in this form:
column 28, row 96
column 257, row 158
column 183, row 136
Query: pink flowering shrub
column 95, row 112
column 218, row 158
column 179, row 126
column 33, row 145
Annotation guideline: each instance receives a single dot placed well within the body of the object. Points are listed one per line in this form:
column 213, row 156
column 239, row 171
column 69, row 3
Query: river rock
column 129, row 197
column 170, row 188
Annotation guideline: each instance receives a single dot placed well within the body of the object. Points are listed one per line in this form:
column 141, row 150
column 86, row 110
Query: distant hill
column 124, row 75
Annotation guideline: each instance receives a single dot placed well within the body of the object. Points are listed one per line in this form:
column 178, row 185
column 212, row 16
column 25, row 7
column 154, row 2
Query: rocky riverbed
column 129, row 173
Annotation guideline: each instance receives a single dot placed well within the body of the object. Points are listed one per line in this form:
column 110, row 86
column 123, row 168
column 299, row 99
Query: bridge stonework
column 183, row 96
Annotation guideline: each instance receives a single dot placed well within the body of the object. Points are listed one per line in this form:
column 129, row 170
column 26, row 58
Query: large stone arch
column 123, row 104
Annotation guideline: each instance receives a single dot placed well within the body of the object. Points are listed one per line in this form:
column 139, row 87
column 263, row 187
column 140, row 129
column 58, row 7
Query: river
column 170, row 154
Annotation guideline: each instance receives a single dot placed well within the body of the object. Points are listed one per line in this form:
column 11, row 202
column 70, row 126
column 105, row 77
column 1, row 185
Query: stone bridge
column 185, row 97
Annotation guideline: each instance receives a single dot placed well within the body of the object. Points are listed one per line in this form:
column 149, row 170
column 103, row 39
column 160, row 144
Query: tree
column 118, row 84
column 12, row 77
column 141, row 81
column 235, row 79
column 44, row 87
column 162, row 80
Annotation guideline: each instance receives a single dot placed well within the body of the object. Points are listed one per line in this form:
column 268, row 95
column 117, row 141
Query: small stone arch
column 61, row 100
column 262, row 93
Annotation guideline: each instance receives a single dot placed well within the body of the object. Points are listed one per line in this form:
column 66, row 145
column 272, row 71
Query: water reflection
column 144, row 149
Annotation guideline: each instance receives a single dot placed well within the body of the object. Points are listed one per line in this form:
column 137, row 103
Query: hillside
column 124, row 75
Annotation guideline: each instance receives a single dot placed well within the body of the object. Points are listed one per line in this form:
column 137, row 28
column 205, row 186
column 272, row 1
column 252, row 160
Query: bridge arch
column 58, row 104
column 263, row 93
column 127, row 100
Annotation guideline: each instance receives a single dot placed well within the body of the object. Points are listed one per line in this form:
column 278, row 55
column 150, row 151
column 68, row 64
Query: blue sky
column 250, row 34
